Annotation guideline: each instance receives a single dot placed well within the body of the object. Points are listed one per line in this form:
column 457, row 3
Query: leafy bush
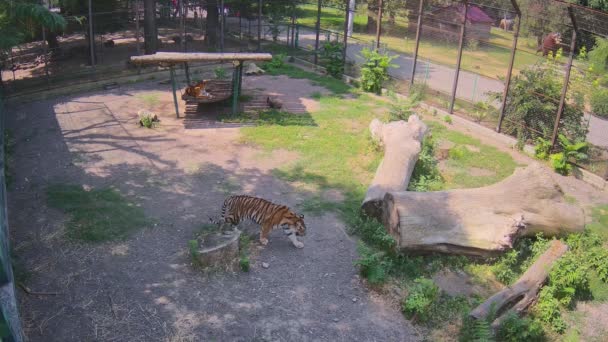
column 374, row 71
column 422, row 295
column 542, row 149
column 530, row 109
column 447, row 119
column 426, row 175
column 516, row 329
column 598, row 56
column 331, row 54
column 277, row 62
column 372, row 264
column 147, row 119
column 472, row 44
column 599, row 102
column 476, row 330
column 571, row 152
column 220, row 73
column 193, row 248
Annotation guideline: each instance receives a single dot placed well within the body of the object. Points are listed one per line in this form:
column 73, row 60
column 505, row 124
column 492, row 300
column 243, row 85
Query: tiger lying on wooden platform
column 195, row 90
column 237, row 209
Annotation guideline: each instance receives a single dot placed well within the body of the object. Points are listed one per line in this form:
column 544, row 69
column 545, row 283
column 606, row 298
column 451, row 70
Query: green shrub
column 417, row 305
column 372, row 264
column 542, row 149
column 599, row 102
column 331, row 54
column 426, row 175
column 472, row 44
column 530, row 113
column 220, row 73
column 571, row 153
column 147, row 119
column 277, row 62
column 447, row 119
column 193, row 248
column 476, row 330
column 374, row 71
column 517, row 329
column 598, row 56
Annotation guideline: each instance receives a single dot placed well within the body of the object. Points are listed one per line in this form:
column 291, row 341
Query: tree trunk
column 519, row 296
column 372, row 13
column 402, row 144
column 212, row 24
column 483, row 221
column 150, row 28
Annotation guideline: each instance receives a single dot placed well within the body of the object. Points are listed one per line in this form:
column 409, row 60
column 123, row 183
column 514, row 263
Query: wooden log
column 483, row 221
column 402, row 144
column 183, row 57
column 519, row 296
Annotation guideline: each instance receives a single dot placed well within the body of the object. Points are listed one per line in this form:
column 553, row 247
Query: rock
column 354, row 300
column 265, row 265
column 253, row 69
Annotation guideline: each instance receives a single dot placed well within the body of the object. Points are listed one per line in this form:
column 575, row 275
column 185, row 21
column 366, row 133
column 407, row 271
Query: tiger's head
column 295, row 222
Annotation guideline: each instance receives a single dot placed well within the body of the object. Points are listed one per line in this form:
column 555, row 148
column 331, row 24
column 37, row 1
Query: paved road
column 471, row 86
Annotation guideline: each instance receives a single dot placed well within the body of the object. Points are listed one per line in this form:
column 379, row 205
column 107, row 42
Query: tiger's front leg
column 264, row 234
column 292, row 237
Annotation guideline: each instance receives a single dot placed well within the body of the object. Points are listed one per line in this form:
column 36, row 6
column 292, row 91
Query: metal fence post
column 379, row 24
column 91, row 35
column 259, row 25
column 137, row 38
column 418, row 30
column 345, row 39
column 222, row 20
column 562, row 100
column 460, row 45
column 317, row 29
column 505, row 93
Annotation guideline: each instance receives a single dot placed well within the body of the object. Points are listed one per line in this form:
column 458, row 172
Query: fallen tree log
column 482, row 221
column 402, row 144
column 519, row 296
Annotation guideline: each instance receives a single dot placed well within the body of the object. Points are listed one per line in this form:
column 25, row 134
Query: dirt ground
column 144, row 288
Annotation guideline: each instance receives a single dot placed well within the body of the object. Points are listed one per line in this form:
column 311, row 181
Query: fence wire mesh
column 472, row 89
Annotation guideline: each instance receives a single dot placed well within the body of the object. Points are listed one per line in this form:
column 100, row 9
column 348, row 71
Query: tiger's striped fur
column 195, row 90
column 268, row 215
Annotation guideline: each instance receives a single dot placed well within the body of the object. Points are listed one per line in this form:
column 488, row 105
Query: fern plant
column 571, row 153
column 422, row 295
column 374, row 71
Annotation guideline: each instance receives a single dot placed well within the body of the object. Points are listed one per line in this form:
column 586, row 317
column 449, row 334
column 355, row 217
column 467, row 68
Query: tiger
column 195, row 90
column 268, row 215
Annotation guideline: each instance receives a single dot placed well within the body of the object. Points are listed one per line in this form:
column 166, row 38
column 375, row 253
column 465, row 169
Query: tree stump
column 217, row 251
column 519, row 296
column 402, row 145
column 483, row 221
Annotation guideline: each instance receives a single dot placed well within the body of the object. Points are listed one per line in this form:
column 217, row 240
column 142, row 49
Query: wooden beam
column 183, row 57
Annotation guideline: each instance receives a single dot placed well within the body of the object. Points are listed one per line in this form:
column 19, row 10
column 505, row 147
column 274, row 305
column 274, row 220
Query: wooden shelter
column 170, row 59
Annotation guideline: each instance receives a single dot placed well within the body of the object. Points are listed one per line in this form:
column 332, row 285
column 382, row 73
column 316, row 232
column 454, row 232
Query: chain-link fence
column 462, row 54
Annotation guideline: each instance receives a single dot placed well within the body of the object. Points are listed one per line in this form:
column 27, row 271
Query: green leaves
column 374, row 71
column 422, row 295
column 571, row 153
column 18, row 17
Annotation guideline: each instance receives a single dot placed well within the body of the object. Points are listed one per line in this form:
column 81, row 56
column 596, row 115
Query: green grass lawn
column 490, row 59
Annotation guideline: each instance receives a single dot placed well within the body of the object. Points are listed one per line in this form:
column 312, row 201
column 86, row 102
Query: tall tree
column 150, row 28
column 21, row 20
column 213, row 22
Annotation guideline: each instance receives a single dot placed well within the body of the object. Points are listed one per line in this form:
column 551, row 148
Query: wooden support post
column 172, row 72
column 562, row 100
column 418, row 30
column 379, row 25
column 505, row 93
column 460, row 45
column 317, row 29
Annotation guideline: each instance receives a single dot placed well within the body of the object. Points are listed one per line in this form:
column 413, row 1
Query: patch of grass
column 447, row 119
column 316, row 95
column 151, row 100
column 244, row 261
column 96, row 215
column 245, row 98
column 334, row 85
column 274, row 117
